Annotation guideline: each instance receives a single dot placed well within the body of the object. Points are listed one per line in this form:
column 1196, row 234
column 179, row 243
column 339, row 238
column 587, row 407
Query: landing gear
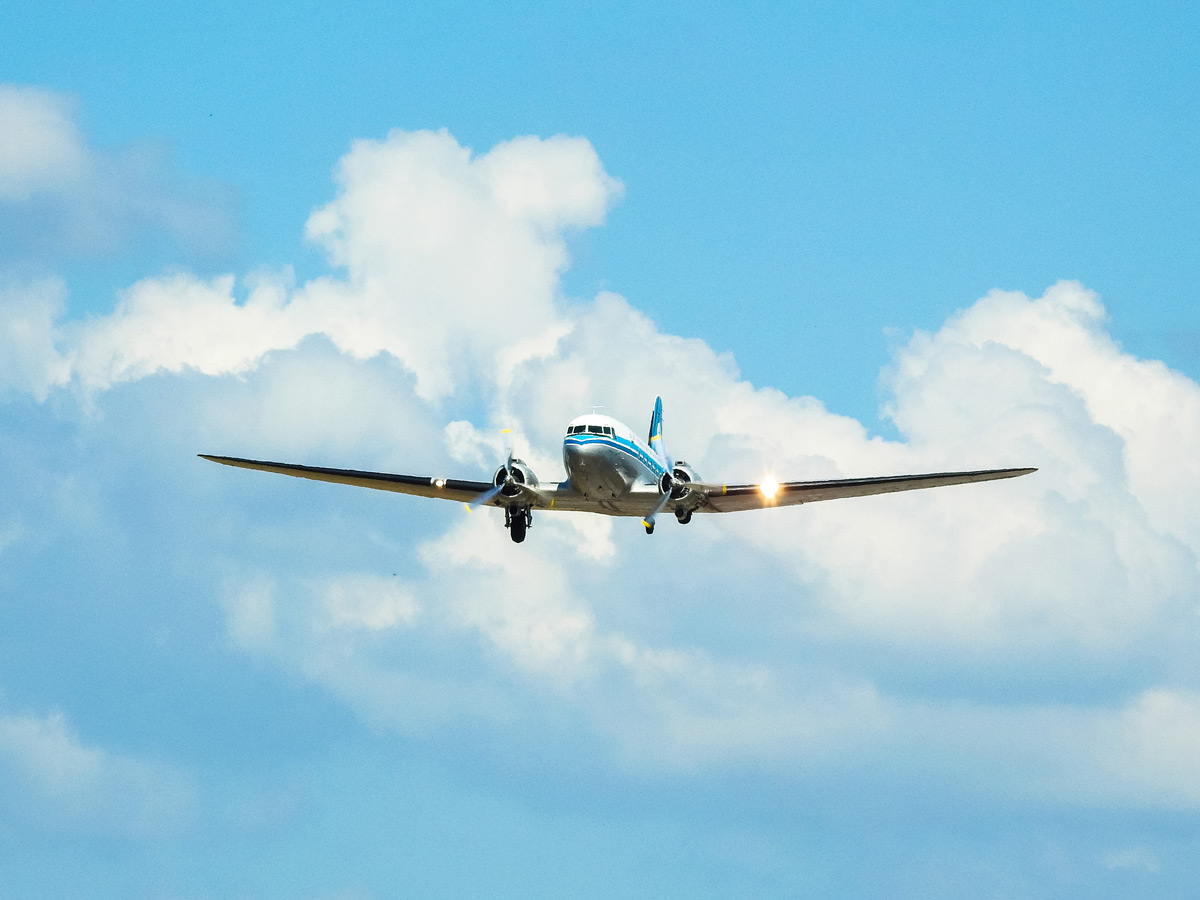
column 649, row 527
column 683, row 515
column 517, row 520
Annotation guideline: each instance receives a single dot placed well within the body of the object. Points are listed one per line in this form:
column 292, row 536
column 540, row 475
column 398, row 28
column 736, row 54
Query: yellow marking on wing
column 724, row 488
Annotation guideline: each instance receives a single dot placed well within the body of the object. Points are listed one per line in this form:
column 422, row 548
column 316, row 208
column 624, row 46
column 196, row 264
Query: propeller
column 490, row 494
column 649, row 520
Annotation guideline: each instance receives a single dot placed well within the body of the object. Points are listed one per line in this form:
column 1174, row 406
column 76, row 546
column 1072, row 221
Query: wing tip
column 223, row 460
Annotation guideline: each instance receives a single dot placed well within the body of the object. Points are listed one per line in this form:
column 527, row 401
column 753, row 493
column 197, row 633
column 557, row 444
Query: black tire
column 683, row 516
column 518, row 527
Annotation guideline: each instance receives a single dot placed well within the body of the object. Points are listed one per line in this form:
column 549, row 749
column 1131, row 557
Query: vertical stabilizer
column 657, row 444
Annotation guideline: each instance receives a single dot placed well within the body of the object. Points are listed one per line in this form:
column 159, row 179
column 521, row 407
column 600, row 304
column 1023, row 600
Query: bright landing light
column 769, row 488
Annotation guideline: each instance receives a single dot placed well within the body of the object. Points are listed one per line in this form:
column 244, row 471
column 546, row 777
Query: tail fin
column 657, row 444
column 656, row 422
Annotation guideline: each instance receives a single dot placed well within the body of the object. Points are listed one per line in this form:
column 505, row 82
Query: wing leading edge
column 420, row 485
column 736, row 497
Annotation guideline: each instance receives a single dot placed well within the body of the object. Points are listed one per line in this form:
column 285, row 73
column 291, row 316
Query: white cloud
column 448, row 269
column 1147, row 753
column 1143, row 753
column 54, row 779
column 181, row 323
column 652, row 707
column 1152, row 410
column 452, row 258
column 40, row 147
column 60, row 197
column 451, row 265
column 29, row 358
column 1069, row 556
column 369, row 601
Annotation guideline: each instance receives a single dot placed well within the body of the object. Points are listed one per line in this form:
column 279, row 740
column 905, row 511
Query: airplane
column 613, row 472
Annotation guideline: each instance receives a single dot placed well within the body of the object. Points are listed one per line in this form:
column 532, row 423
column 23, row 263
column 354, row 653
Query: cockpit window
column 595, row 429
column 608, row 429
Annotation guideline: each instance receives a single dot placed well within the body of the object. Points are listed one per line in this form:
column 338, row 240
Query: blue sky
column 839, row 240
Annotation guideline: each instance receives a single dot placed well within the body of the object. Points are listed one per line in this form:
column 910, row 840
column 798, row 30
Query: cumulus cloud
column 746, row 639
column 1070, row 556
column 180, row 323
column 1152, row 412
column 452, row 265
column 56, row 780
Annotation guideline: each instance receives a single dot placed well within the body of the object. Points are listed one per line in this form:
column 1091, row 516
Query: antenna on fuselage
column 594, row 408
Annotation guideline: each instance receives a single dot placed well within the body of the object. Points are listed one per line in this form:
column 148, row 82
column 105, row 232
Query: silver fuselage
column 606, row 461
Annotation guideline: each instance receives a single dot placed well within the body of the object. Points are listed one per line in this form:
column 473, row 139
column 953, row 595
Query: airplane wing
column 420, row 485
column 735, row 497
column 715, row 497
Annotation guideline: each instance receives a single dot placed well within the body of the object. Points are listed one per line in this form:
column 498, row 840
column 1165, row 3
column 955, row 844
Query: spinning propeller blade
column 490, row 494
column 485, row 497
column 649, row 520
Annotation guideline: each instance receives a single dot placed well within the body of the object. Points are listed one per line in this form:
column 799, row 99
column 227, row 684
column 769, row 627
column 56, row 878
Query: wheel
column 683, row 515
column 649, row 527
column 517, row 528
column 517, row 521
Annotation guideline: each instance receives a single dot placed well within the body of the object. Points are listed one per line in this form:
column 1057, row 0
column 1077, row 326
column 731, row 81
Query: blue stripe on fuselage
column 619, row 443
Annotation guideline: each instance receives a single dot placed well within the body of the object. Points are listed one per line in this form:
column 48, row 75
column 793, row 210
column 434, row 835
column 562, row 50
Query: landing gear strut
column 517, row 520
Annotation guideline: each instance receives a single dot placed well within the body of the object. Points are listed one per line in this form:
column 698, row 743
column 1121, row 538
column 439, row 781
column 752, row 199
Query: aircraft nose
column 584, row 462
column 576, row 455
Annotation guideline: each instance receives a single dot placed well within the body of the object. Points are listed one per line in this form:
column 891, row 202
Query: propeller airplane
column 611, row 471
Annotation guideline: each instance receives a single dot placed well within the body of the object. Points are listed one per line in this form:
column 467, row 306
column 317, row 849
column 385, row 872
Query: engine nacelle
column 684, row 472
column 677, row 482
column 518, row 474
